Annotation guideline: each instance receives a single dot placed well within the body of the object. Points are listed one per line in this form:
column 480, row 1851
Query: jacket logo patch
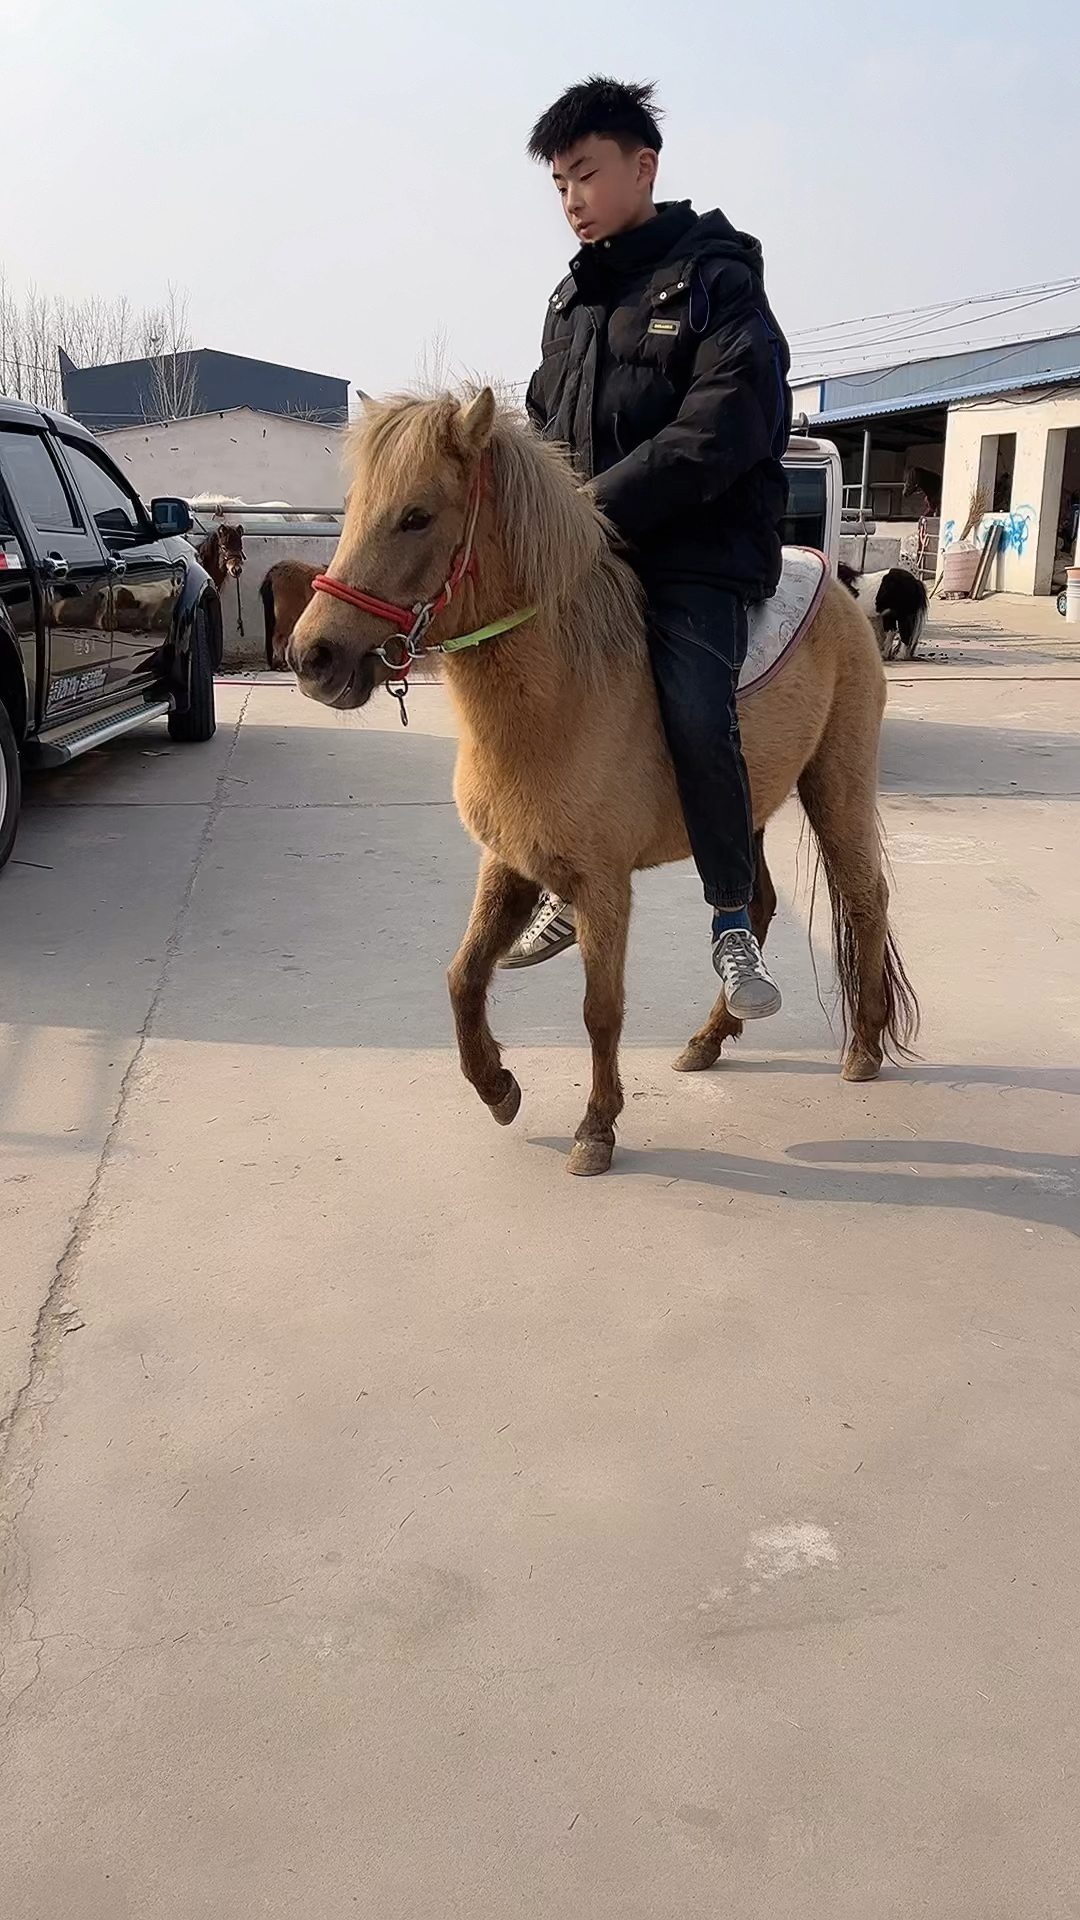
column 664, row 326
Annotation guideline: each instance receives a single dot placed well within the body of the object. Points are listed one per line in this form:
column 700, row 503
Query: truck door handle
column 55, row 567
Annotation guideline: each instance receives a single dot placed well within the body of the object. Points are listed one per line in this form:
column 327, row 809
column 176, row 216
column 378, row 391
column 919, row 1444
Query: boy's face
column 604, row 189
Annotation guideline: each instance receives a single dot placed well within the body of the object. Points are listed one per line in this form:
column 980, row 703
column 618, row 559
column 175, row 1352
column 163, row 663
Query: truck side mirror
column 171, row 516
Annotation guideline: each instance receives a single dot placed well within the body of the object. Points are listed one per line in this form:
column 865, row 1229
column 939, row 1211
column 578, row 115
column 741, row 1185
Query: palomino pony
column 460, row 520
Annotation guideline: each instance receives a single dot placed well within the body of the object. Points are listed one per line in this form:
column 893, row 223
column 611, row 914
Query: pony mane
column 554, row 545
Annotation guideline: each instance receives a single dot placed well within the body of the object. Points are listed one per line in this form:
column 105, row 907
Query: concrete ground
column 395, row 1527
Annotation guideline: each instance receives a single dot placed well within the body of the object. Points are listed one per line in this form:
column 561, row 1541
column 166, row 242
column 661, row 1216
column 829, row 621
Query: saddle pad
column 777, row 625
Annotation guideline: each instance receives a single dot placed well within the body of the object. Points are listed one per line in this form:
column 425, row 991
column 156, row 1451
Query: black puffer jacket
column 665, row 373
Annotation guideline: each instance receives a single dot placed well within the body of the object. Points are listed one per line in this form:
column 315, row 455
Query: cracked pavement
column 390, row 1525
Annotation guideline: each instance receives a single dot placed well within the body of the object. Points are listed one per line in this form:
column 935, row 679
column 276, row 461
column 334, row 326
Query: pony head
column 231, row 548
column 407, row 518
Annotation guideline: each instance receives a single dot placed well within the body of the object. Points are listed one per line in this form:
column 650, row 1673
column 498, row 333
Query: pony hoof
column 861, row 1065
column 506, row 1109
column 590, row 1156
column 696, row 1058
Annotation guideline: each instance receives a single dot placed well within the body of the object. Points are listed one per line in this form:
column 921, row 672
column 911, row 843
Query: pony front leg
column 500, row 911
column 602, row 911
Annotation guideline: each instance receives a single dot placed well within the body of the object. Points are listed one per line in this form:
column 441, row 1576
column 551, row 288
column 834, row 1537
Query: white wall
column 807, row 398
column 1023, row 565
column 242, row 455
column 260, row 552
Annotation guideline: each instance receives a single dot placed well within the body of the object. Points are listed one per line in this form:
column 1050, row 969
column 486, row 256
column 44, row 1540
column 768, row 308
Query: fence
column 270, row 533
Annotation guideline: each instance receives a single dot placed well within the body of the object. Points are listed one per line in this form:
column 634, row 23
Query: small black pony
column 896, row 603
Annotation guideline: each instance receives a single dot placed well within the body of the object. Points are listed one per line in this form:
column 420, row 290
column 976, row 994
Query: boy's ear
column 648, row 166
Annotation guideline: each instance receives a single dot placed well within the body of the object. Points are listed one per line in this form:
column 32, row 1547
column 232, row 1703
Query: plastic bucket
column 959, row 570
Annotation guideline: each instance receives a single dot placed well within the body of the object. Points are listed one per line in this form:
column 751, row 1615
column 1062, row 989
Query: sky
column 344, row 187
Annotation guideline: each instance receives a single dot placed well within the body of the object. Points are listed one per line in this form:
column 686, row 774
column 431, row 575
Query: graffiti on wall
column 1016, row 530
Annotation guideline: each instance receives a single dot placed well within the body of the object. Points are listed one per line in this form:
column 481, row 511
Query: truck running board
column 66, row 743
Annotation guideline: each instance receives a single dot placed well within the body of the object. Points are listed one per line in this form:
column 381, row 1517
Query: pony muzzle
column 331, row 661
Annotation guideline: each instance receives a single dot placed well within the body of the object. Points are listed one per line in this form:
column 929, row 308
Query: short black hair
column 625, row 113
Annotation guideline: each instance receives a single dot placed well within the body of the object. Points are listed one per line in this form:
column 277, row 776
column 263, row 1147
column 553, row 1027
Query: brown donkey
column 563, row 774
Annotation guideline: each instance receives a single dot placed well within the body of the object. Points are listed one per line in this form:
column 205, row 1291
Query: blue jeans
column 697, row 644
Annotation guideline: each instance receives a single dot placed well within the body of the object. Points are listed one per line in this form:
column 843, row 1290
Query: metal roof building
column 940, row 381
column 131, row 392
column 923, row 442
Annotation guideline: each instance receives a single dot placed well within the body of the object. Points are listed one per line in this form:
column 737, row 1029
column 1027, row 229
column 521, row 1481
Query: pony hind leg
column 500, row 911
column 839, row 794
column 703, row 1050
column 603, row 923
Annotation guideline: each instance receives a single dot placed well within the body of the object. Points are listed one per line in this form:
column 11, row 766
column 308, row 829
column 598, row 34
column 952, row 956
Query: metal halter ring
column 402, row 645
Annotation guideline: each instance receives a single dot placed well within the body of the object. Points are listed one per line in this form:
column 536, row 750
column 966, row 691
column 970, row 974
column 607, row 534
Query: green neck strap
column 505, row 625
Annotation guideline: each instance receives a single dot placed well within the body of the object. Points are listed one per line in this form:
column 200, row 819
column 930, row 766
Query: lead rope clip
column 399, row 689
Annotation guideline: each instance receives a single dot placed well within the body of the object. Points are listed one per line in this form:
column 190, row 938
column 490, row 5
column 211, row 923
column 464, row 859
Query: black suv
column 106, row 616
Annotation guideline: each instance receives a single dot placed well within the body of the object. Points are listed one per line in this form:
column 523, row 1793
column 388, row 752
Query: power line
column 858, row 348
column 865, row 376
column 941, row 306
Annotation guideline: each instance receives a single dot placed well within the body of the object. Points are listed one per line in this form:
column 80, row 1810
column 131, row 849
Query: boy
column 665, row 374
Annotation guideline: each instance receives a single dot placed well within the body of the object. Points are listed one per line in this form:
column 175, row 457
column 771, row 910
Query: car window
column 35, row 481
column 116, row 513
column 11, row 553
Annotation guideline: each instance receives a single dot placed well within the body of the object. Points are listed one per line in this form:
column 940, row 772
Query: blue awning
column 944, row 397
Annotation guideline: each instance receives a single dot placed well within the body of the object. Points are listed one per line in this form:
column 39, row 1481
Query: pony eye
column 414, row 520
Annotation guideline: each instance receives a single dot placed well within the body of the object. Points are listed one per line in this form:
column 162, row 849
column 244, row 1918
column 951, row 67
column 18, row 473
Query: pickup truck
column 815, row 496
column 106, row 617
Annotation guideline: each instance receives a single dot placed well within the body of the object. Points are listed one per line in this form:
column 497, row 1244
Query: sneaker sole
column 763, row 1011
column 560, row 944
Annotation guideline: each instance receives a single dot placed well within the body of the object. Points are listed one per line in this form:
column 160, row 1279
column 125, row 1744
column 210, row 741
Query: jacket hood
column 713, row 235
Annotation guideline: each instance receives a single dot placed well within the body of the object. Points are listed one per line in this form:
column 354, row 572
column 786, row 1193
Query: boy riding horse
column 665, row 374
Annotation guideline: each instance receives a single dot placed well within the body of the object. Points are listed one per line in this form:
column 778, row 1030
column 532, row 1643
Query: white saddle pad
column 777, row 625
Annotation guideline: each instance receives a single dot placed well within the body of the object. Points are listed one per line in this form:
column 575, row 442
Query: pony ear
column 475, row 421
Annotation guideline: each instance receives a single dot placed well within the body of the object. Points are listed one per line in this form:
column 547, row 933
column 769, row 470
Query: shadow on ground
column 937, row 758
column 1039, row 1189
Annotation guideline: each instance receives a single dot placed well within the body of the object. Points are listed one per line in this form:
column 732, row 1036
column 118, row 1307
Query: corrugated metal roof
column 960, row 372
column 945, row 397
column 128, row 392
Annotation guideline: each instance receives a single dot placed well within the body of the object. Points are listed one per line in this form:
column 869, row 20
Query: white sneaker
column 550, row 931
column 749, row 988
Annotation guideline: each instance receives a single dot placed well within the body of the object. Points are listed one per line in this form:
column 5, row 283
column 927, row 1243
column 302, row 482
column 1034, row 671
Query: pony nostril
column 319, row 660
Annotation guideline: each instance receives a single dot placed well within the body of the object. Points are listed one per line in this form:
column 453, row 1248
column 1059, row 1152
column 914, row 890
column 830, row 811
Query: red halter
column 413, row 622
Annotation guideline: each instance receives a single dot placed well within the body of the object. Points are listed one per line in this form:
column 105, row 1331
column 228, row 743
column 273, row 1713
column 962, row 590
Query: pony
column 896, row 603
column 222, row 553
column 284, row 591
column 478, row 539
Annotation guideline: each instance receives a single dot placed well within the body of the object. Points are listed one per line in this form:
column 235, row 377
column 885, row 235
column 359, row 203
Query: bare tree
column 29, row 368
column 167, row 344
column 433, row 363
column 93, row 332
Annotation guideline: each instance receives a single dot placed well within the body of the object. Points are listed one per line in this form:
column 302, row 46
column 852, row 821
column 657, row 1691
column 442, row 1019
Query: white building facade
column 998, row 429
column 236, row 455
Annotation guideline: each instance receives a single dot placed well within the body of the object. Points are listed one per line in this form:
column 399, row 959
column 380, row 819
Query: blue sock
column 725, row 919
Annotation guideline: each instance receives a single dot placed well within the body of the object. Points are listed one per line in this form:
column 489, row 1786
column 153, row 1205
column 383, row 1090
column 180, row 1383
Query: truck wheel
column 200, row 720
column 10, row 786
